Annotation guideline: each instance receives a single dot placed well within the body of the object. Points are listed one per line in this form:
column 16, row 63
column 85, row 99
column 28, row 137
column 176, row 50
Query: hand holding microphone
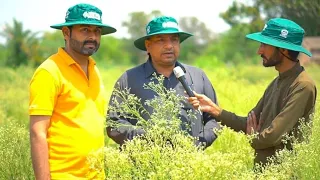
column 178, row 72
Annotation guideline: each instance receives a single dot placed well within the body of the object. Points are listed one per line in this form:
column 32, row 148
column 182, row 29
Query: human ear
column 66, row 33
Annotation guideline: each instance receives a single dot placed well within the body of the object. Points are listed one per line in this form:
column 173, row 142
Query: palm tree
column 22, row 45
column 2, row 54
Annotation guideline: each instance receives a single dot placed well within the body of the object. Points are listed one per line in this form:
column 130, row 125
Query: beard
column 274, row 60
column 80, row 48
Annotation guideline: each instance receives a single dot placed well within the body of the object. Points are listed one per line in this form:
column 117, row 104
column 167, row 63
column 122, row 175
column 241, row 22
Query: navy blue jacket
column 134, row 79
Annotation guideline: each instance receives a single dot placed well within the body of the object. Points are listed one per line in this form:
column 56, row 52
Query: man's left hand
column 253, row 126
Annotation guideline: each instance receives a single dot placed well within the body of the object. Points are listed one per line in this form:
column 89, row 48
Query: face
column 164, row 49
column 83, row 39
column 270, row 55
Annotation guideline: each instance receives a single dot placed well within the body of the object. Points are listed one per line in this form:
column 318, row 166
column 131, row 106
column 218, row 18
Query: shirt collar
column 296, row 69
column 68, row 59
column 149, row 69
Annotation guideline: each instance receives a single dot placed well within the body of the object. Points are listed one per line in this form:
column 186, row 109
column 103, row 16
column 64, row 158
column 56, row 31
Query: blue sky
column 38, row 15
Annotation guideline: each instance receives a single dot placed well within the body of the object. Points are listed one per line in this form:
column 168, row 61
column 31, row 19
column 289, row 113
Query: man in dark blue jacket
column 162, row 44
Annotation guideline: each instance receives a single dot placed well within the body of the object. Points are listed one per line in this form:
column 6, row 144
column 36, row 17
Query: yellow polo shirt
column 59, row 88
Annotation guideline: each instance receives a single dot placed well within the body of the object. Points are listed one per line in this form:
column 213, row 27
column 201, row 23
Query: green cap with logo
column 282, row 33
column 85, row 14
column 161, row 25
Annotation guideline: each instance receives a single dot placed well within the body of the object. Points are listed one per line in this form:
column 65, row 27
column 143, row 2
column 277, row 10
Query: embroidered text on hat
column 91, row 15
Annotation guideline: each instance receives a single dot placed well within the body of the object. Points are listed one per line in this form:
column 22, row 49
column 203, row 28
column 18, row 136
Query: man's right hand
column 202, row 102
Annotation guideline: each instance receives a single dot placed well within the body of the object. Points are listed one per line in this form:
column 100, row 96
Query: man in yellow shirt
column 67, row 101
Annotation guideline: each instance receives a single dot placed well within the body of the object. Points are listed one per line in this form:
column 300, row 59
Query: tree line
column 26, row 47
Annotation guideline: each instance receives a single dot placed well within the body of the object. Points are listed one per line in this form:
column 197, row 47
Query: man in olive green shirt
column 290, row 97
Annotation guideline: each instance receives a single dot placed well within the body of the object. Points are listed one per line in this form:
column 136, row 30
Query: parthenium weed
column 164, row 121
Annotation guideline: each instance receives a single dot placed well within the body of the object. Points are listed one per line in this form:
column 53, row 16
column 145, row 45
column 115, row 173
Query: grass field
column 238, row 90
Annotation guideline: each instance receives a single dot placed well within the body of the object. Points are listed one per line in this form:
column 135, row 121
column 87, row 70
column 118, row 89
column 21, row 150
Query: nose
column 260, row 49
column 92, row 35
column 168, row 44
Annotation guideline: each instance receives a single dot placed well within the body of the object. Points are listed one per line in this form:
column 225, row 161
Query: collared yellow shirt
column 77, row 105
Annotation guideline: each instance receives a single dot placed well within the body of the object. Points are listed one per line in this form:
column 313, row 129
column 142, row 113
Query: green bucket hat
column 85, row 14
column 281, row 33
column 161, row 25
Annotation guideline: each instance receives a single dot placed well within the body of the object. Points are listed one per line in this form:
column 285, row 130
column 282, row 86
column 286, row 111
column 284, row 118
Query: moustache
column 264, row 57
column 90, row 42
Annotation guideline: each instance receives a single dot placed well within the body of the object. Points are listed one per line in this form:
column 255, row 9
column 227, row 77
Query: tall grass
column 230, row 157
column 15, row 161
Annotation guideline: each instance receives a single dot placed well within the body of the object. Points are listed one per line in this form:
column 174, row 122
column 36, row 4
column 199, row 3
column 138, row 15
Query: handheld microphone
column 178, row 72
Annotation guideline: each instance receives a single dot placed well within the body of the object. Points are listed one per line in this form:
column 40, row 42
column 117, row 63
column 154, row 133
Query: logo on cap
column 265, row 26
column 91, row 15
column 284, row 33
column 67, row 14
column 148, row 29
column 170, row 25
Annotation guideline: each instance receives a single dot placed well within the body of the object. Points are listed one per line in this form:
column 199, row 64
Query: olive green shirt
column 290, row 97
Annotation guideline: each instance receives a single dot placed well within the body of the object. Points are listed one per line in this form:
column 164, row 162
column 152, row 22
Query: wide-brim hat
column 282, row 33
column 161, row 25
column 85, row 14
